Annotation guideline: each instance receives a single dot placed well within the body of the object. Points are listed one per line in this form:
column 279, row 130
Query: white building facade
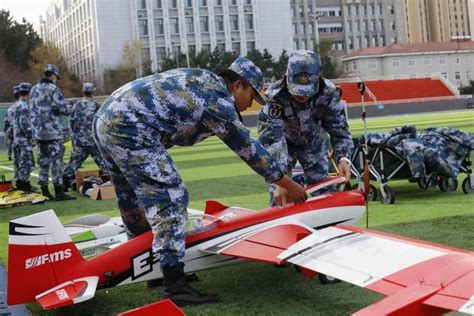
column 454, row 60
column 92, row 33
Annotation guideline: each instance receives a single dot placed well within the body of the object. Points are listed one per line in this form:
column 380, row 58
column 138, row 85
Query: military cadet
column 292, row 125
column 23, row 139
column 47, row 106
column 8, row 132
column 141, row 120
column 81, row 125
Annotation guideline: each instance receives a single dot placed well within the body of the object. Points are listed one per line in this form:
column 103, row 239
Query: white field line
column 11, row 169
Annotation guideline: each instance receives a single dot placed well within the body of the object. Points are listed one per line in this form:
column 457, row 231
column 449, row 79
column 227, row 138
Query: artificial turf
column 212, row 171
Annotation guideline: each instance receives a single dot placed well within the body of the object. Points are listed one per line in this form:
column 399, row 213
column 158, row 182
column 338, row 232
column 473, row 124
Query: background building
column 454, row 60
column 437, row 20
column 92, row 33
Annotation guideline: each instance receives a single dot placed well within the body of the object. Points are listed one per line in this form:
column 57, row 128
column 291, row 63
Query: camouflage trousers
column 79, row 155
column 50, row 156
column 314, row 162
column 150, row 192
column 26, row 162
column 16, row 161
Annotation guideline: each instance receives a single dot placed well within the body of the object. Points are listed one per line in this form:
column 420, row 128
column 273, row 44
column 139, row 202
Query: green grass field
column 212, row 171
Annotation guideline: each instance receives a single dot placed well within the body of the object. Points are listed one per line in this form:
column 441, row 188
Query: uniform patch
column 275, row 111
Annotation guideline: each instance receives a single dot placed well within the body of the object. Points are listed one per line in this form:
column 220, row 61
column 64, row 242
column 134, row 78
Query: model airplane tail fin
column 40, row 252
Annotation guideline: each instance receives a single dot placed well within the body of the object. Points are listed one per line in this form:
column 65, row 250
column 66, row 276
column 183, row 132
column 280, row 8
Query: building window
column 248, row 22
column 372, row 9
column 221, row 47
column 141, row 4
column 189, row 25
column 442, row 60
column 358, row 26
column 392, row 26
column 250, row 46
column 427, row 61
column 159, row 30
column 233, row 2
column 354, row 65
column 396, row 62
column 457, row 75
column 188, row 3
column 174, row 26
column 234, row 22
column 219, row 22
column 379, row 6
column 218, row 3
column 458, row 60
column 160, row 53
column 157, row 4
column 349, row 26
column 371, row 65
column 143, row 27
column 206, row 47
column 350, row 43
column 391, row 9
column 236, row 48
column 445, row 74
column 202, row 3
column 173, row 4
column 347, row 10
column 204, row 22
column 248, row 2
column 411, row 62
column 192, row 49
column 372, row 25
column 381, row 25
column 356, row 9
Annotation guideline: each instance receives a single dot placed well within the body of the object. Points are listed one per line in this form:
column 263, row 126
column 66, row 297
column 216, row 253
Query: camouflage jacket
column 8, row 125
column 283, row 122
column 183, row 107
column 82, row 117
column 47, row 105
column 22, row 128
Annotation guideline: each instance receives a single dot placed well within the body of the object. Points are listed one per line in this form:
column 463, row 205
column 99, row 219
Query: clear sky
column 30, row 9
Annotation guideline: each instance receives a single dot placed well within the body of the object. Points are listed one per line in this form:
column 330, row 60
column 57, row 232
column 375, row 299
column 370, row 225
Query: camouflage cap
column 52, row 69
column 250, row 72
column 25, row 86
column 302, row 75
column 88, row 87
column 16, row 89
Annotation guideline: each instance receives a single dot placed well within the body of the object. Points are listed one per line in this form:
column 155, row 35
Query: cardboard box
column 80, row 175
column 103, row 192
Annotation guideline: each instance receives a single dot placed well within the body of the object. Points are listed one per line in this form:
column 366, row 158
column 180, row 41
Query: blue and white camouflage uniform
column 8, row 132
column 23, row 136
column 47, row 105
column 82, row 118
column 298, row 132
column 141, row 120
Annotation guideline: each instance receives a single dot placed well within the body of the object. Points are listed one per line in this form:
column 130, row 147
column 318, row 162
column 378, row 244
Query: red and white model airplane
column 416, row 276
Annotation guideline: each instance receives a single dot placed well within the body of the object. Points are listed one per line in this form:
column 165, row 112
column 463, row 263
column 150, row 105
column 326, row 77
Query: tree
column 469, row 89
column 133, row 57
column 17, row 40
column 279, row 68
column 329, row 69
column 42, row 55
column 117, row 77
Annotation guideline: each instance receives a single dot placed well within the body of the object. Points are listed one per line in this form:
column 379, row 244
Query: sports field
column 212, row 171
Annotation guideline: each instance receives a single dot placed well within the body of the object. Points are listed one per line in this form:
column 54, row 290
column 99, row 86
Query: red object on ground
column 163, row 307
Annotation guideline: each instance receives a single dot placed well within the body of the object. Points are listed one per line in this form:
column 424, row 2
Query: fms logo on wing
column 49, row 257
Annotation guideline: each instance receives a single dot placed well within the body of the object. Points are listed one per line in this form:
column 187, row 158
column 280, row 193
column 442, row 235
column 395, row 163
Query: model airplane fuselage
column 42, row 254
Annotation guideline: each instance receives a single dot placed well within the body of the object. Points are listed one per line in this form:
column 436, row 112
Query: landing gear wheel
column 389, row 195
column 467, row 186
column 448, row 184
column 326, row 279
column 372, row 195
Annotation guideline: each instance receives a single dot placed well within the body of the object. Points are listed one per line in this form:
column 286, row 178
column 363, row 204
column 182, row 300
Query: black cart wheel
column 448, row 184
column 467, row 186
column 389, row 195
column 326, row 279
column 426, row 183
column 372, row 195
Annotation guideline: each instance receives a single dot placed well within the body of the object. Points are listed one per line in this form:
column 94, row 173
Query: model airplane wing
column 416, row 276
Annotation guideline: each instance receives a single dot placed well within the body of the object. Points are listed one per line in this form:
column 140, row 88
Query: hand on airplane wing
column 289, row 190
column 344, row 168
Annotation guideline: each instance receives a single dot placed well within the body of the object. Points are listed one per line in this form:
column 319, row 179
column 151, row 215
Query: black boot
column 25, row 186
column 20, row 185
column 66, row 183
column 45, row 192
column 177, row 290
column 60, row 195
column 190, row 277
